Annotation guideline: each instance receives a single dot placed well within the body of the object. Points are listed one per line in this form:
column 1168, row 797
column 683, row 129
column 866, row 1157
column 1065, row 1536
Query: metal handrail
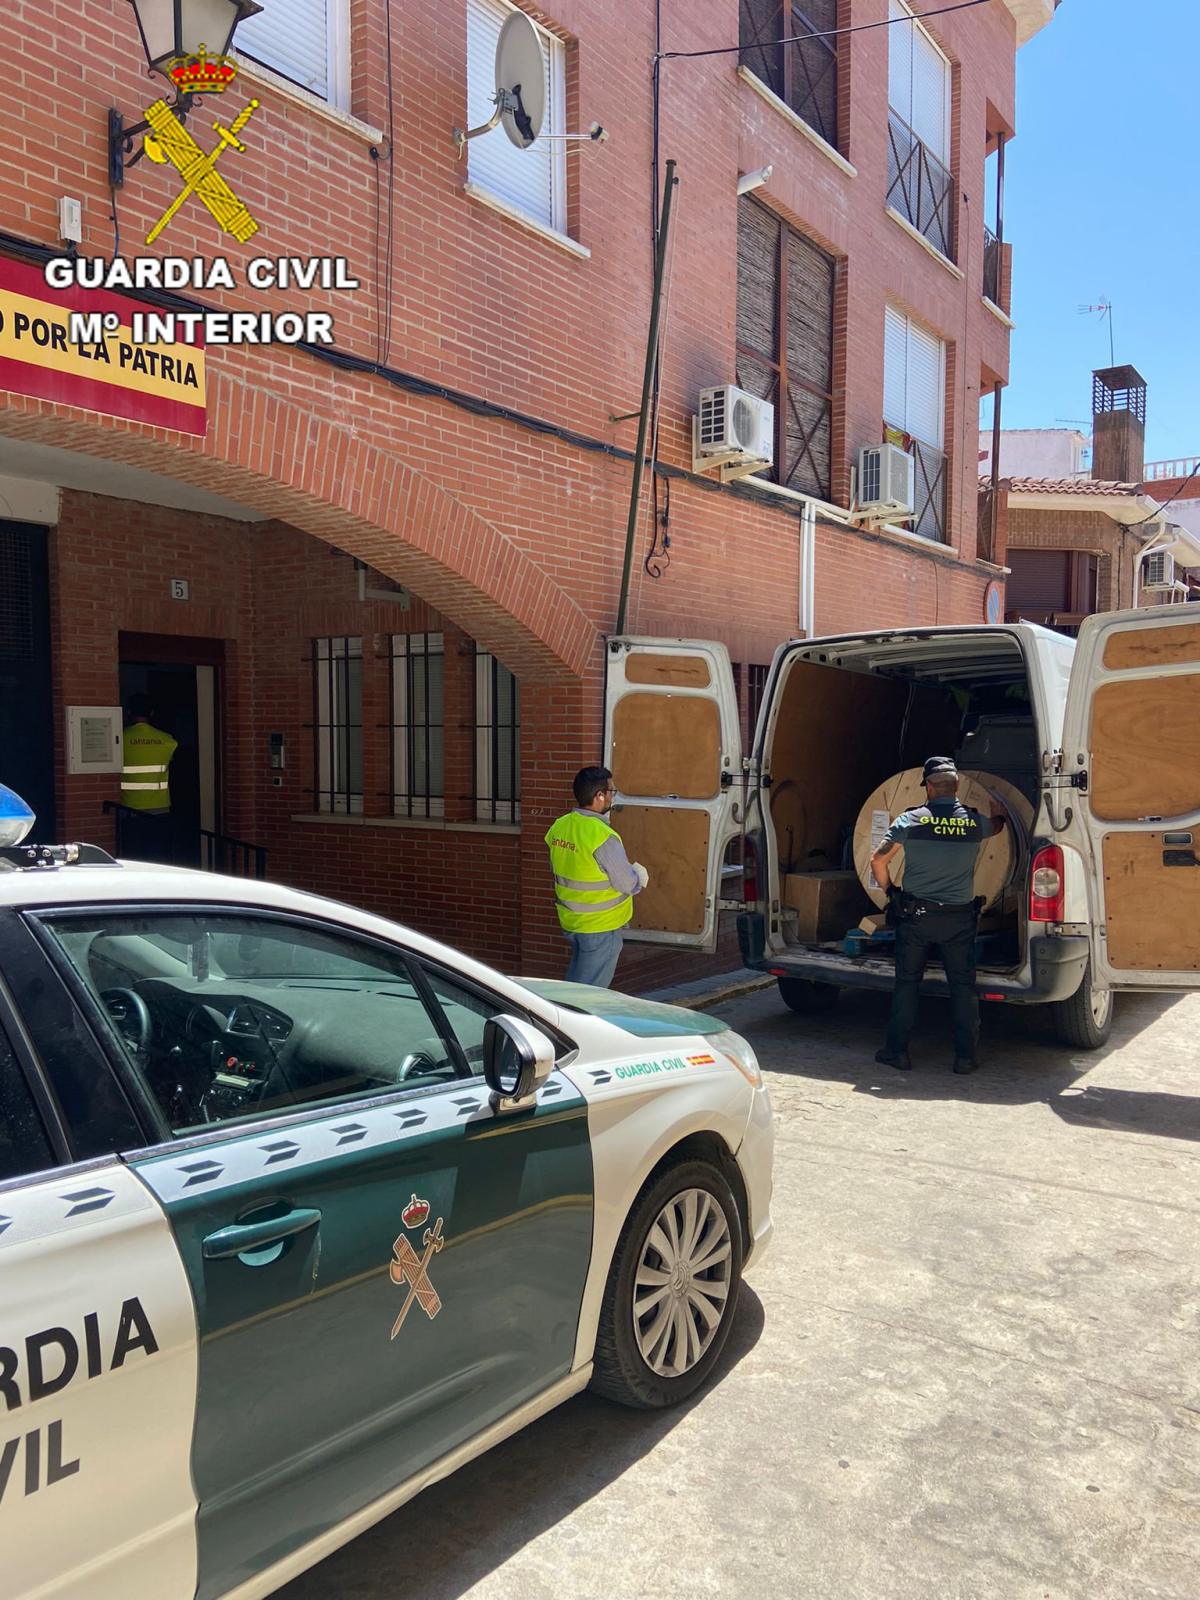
column 920, row 188
column 217, row 852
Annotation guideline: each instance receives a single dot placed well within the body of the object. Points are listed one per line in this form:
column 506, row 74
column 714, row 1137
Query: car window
column 466, row 1011
column 229, row 1016
column 24, row 1147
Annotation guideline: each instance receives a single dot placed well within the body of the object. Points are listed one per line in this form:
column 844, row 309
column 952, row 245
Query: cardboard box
column 826, row 904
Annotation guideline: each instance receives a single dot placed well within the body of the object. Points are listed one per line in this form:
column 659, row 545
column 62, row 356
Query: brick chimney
column 1118, row 425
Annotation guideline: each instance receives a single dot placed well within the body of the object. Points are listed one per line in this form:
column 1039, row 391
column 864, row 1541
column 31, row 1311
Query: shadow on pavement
column 455, row 1533
column 1022, row 1060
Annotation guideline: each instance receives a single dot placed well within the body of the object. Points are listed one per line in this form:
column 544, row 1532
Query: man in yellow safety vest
column 594, row 880
column 146, row 753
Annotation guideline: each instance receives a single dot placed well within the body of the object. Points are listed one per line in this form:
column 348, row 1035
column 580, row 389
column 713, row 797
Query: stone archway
column 274, row 455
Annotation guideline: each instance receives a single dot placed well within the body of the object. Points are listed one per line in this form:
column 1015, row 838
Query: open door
column 673, row 743
column 1132, row 751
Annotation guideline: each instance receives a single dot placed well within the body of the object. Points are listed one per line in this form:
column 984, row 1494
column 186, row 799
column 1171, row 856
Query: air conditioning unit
column 1159, row 570
column 735, row 425
column 886, row 480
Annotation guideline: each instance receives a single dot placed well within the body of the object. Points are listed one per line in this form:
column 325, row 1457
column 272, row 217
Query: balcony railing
column 930, row 485
column 1181, row 467
column 919, row 187
column 992, row 254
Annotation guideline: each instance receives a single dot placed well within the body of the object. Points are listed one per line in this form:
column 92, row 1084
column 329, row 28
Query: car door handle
column 242, row 1236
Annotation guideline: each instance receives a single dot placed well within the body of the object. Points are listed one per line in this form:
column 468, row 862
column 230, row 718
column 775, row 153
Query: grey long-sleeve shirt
column 611, row 858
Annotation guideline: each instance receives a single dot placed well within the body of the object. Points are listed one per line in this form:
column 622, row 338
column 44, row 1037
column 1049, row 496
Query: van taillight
column 1046, row 885
column 750, row 868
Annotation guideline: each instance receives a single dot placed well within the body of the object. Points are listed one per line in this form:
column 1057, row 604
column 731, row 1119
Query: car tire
column 634, row 1358
column 1085, row 1020
column 808, row 997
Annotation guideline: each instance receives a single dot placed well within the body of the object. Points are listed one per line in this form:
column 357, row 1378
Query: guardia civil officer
column 941, row 841
column 594, row 880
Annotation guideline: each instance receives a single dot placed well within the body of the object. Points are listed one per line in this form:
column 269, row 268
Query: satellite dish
column 520, row 80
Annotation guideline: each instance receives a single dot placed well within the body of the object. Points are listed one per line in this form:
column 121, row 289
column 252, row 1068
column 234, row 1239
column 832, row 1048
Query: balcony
column 930, row 483
column 919, row 187
column 991, row 266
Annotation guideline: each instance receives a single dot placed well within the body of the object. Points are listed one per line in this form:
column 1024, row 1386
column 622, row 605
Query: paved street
column 966, row 1369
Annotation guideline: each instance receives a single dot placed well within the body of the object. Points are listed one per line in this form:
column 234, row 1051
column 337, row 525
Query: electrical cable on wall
column 829, row 33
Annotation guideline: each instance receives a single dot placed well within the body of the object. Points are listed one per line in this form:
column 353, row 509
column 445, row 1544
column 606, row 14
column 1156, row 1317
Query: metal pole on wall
column 995, row 506
column 639, row 460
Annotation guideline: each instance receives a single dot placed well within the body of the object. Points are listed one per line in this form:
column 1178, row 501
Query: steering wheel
column 131, row 1016
column 417, row 1061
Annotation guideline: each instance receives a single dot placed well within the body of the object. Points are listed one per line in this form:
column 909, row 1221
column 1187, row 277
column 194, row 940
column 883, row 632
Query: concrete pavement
column 967, row 1368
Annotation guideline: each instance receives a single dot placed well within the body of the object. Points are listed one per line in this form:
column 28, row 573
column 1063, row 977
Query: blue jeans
column 594, row 957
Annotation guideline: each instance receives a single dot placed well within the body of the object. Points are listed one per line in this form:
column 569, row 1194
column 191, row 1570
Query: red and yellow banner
column 161, row 384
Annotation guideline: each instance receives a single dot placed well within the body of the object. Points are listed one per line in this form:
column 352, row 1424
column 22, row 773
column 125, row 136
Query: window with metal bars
column 497, row 741
column 803, row 73
column 914, row 404
column 756, row 683
column 418, row 725
column 338, row 724
column 785, row 301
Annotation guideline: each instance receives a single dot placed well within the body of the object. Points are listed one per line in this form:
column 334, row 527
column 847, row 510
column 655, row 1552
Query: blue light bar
column 16, row 818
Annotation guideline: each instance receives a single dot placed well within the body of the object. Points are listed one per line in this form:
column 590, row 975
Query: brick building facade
column 451, row 472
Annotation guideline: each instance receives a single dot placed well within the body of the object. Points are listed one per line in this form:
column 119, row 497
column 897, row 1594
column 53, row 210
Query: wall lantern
column 174, row 30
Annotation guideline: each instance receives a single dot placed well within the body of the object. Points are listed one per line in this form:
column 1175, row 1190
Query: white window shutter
column 533, row 180
column 926, row 381
column 895, row 369
column 900, row 47
column 293, row 38
column 930, row 118
column 914, row 379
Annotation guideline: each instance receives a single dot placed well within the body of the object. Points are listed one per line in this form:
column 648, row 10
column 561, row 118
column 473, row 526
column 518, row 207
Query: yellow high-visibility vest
column 586, row 900
column 146, row 754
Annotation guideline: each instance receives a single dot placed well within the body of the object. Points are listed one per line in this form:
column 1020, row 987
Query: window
column 920, row 187
column 418, row 725
column 756, row 683
column 258, row 1015
column 497, row 741
column 914, row 403
column 307, row 41
column 337, row 696
column 785, row 297
column 467, row 1013
column 24, row 1147
column 804, row 75
column 533, row 180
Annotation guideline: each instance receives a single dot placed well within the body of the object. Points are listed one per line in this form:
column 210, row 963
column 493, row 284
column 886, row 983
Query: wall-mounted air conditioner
column 734, row 428
column 1159, row 570
column 886, row 481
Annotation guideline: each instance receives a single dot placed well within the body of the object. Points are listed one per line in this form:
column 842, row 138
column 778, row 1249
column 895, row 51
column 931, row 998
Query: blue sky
column 1102, row 201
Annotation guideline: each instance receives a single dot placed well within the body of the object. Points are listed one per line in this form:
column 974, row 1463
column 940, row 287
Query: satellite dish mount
column 520, row 97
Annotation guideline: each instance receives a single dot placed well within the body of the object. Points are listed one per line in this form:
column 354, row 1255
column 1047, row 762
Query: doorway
column 26, row 707
column 180, row 680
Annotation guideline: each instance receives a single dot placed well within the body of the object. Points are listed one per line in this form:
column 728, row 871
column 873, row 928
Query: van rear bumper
column 1057, row 966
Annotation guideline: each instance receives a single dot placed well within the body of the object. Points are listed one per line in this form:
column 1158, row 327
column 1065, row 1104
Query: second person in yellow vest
column 594, row 880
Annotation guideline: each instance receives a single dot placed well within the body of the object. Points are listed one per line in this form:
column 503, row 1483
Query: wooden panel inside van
column 1151, row 908
column 667, row 746
column 1145, row 753
column 675, row 839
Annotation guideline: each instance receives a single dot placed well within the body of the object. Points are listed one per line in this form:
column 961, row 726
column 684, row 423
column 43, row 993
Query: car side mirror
column 517, row 1060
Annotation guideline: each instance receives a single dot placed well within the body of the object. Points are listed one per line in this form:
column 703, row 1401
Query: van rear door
column 673, row 742
column 1131, row 748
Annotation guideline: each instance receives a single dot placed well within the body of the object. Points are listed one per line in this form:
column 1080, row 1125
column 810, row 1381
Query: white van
column 1101, row 735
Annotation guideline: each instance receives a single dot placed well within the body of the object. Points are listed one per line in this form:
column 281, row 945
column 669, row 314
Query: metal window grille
column 756, row 683
column 338, row 724
column 497, row 741
column 920, row 188
column 803, row 74
column 418, row 725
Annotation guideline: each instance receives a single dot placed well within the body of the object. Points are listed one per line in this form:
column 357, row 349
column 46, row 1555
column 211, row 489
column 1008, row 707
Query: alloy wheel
column 681, row 1287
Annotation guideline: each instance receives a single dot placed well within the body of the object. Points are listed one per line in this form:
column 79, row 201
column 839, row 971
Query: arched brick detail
column 273, row 455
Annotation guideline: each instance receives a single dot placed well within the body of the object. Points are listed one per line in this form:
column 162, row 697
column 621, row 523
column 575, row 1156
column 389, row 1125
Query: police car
column 299, row 1211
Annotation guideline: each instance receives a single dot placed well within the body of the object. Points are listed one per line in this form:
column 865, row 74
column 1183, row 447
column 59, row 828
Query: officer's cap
column 939, row 767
